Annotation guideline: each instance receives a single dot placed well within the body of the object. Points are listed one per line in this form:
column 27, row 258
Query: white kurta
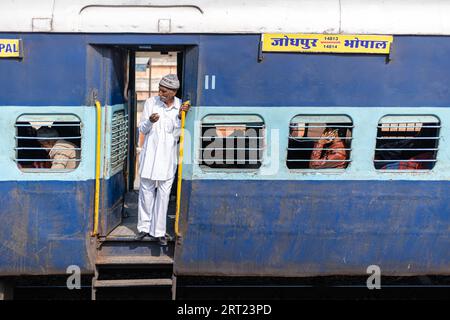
column 159, row 156
column 158, row 164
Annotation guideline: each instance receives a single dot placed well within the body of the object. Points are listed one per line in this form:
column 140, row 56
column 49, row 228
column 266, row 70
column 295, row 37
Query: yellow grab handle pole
column 180, row 173
column 97, row 166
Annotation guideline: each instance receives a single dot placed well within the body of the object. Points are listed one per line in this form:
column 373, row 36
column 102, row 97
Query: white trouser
column 152, row 209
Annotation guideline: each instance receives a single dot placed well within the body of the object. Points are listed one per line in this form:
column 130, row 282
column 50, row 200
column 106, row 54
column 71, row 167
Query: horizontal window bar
column 229, row 159
column 54, row 170
column 407, row 127
column 403, row 170
column 400, row 121
column 232, row 137
column 249, row 149
column 39, row 138
column 49, row 160
column 294, row 149
column 411, row 138
column 409, row 160
column 28, row 148
column 432, row 149
column 316, row 160
column 51, row 125
column 319, row 138
column 297, row 126
column 232, row 125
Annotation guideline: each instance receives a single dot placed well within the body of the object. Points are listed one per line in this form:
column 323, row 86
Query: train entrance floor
column 145, row 265
column 127, row 230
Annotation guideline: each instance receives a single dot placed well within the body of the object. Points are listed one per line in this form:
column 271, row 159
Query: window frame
column 225, row 119
column 324, row 119
column 416, row 118
column 125, row 120
column 47, row 118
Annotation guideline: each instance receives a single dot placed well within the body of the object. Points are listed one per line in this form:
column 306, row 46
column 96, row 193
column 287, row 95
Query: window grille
column 232, row 142
column 319, row 142
column 59, row 148
column 407, row 143
column 119, row 139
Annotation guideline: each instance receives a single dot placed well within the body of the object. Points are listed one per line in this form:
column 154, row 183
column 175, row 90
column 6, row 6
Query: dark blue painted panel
column 62, row 69
column 417, row 75
column 113, row 191
column 105, row 74
column 45, row 226
column 52, row 71
column 299, row 228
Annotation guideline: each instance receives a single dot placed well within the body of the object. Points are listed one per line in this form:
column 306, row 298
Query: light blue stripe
column 85, row 171
column 365, row 121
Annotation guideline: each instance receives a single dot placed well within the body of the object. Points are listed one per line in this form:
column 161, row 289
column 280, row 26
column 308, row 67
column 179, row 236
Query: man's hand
column 328, row 137
column 184, row 107
column 154, row 117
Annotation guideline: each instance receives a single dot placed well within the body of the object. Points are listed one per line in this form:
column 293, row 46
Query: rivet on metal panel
column 390, row 56
column 42, row 24
column 164, row 25
column 260, row 53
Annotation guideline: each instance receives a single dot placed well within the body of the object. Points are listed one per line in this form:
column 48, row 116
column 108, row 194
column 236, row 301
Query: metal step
column 131, row 283
column 132, row 248
column 130, row 238
column 126, row 260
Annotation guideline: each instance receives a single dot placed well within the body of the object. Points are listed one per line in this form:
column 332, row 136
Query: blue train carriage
column 259, row 196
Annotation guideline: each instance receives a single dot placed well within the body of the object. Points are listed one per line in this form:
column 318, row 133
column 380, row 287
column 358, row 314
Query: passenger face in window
column 46, row 143
column 166, row 94
column 329, row 151
column 329, row 135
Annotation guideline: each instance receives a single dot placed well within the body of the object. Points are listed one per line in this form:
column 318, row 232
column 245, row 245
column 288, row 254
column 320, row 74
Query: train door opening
column 145, row 70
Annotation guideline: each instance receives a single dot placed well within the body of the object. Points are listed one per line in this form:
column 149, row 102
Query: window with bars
column 48, row 142
column 119, row 140
column 319, row 142
column 232, row 141
column 407, row 142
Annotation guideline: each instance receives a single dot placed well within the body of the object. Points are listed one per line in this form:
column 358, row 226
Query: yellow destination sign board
column 337, row 43
column 10, row 48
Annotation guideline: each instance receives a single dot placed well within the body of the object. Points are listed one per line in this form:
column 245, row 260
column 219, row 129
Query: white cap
column 170, row 81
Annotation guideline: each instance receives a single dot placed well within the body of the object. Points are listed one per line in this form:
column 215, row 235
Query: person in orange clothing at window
column 329, row 147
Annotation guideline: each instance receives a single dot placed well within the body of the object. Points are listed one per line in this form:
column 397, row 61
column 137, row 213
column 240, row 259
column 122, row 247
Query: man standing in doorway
column 160, row 123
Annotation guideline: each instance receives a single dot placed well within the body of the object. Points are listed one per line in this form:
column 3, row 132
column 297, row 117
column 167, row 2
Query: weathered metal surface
column 135, row 248
column 122, row 260
column 44, row 226
column 309, row 228
column 236, row 16
column 131, row 283
column 417, row 79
